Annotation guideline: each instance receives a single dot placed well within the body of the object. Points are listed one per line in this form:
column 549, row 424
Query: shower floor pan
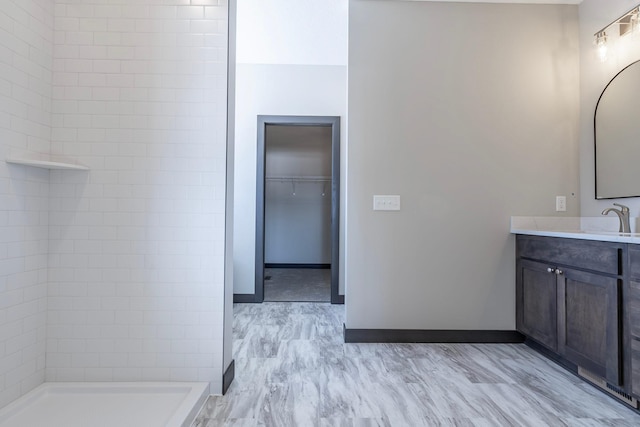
column 135, row 404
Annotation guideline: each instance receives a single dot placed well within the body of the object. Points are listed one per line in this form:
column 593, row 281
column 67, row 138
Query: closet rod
column 299, row 178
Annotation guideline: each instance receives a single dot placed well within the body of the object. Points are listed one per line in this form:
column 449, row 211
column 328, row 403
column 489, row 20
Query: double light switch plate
column 386, row 203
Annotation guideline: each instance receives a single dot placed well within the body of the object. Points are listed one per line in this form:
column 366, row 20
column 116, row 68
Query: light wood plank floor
column 293, row 369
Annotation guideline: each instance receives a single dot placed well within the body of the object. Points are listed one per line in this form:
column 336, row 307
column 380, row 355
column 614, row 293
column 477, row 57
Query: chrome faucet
column 623, row 215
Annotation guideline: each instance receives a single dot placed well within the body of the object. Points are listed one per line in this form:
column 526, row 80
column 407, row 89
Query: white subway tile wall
column 115, row 274
column 26, row 59
column 136, row 264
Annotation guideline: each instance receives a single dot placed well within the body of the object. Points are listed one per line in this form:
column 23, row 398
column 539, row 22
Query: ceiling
column 512, row 1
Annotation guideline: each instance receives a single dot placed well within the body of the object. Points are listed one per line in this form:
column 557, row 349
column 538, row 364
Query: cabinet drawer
column 604, row 257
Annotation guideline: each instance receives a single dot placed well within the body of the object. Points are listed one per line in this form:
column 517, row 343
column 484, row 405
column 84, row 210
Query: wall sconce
column 629, row 23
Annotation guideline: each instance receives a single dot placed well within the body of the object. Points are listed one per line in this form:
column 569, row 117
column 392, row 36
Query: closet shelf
column 44, row 162
column 299, row 178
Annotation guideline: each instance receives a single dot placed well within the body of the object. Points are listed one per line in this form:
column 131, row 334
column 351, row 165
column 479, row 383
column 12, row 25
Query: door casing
column 334, row 123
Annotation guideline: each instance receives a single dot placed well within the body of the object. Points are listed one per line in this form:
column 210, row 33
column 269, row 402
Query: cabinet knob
column 558, row 271
column 551, row 270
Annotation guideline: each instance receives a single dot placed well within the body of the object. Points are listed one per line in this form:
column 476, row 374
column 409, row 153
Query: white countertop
column 586, row 228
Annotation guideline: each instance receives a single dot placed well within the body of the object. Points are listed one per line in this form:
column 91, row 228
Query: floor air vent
column 612, row 390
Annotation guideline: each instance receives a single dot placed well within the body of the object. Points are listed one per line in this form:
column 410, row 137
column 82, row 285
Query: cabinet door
column 632, row 308
column 536, row 302
column 635, row 367
column 588, row 318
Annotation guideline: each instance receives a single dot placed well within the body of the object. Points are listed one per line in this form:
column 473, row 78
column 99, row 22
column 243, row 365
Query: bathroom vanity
column 578, row 301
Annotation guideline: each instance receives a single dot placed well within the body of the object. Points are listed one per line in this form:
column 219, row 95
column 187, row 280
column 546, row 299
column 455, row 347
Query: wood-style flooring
column 293, row 369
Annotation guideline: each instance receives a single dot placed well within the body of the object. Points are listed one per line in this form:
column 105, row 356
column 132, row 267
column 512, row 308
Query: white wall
column 310, row 32
column 26, row 58
column 292, row 60
column 594, row 76
column 469, row 112
column 298, row 225
column 136, row 277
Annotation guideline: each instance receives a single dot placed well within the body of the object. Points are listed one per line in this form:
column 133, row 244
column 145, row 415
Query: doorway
column 297, row 208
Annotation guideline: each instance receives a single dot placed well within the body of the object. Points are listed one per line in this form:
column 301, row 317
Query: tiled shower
column 115, row 273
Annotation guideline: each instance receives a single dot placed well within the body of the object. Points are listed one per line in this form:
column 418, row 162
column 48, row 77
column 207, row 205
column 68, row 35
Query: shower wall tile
column 136, row 255
column 26, row 62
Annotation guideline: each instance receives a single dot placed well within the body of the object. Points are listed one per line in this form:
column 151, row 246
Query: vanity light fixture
column 629, row 23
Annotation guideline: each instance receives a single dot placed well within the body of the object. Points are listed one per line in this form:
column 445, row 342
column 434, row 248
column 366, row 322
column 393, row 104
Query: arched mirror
column 617, row 136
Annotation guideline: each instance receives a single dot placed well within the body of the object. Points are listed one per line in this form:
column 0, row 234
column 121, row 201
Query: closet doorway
column 297, row 209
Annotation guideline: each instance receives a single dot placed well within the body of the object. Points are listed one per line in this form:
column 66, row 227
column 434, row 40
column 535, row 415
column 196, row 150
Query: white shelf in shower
column 41, row 161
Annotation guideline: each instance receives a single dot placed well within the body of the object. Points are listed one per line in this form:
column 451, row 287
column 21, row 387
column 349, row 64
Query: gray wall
column 469, row 112
column 594, row 76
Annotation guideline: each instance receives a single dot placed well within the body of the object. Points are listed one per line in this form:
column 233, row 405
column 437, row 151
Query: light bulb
column 601, row 45
column 602, row 52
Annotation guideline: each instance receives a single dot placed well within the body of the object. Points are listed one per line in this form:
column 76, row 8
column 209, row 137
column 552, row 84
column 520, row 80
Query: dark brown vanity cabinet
column 632, row 319
column 568, row 299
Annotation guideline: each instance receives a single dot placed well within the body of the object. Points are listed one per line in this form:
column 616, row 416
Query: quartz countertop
column 586, row 228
